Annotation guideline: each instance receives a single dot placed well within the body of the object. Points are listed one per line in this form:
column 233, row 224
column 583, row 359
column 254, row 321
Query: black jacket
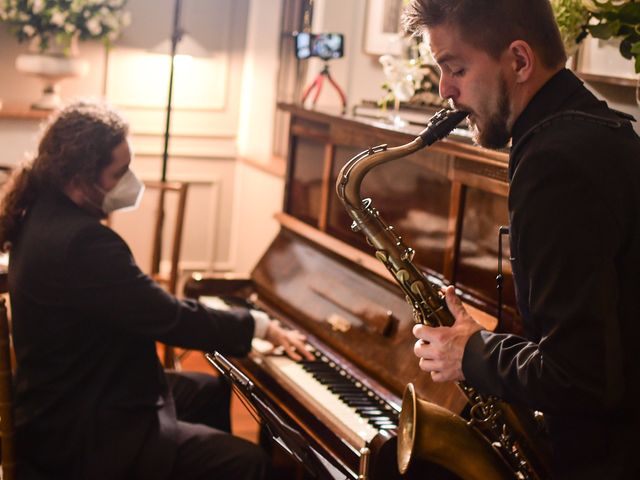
column 574, row 206
column 92, row 401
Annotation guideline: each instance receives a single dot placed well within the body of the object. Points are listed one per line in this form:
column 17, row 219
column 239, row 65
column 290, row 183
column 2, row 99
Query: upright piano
column 339, row 413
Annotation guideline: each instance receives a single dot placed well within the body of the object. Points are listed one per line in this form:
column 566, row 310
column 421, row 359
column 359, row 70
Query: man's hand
column 292, row 341
column 440, row 349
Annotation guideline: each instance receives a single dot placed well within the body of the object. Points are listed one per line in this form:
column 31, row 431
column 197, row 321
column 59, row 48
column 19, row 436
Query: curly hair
column 76, row 144
column 492, row 25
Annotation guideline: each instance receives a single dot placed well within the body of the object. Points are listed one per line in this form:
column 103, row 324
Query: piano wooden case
column 447, row 202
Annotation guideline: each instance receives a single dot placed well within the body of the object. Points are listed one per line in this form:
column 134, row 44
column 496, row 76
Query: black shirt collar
column 547, row 101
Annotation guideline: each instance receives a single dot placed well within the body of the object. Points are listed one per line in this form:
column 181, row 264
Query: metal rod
column 176, row 35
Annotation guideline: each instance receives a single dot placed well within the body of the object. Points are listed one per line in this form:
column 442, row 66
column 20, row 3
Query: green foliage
column 571, row 16
column 619, row 20
column 603, row 19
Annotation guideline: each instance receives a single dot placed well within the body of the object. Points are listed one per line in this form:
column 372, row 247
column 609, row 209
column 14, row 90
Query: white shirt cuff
column 262, row 322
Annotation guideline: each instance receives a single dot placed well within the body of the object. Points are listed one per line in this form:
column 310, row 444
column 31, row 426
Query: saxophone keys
column 382, row 256
column 408, row 254
column 402, row 275
column 417, row 288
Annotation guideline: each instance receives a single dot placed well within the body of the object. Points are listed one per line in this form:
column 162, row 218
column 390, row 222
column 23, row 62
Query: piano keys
column 349, row 406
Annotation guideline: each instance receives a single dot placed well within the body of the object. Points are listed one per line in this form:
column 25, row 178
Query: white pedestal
column 51, row 69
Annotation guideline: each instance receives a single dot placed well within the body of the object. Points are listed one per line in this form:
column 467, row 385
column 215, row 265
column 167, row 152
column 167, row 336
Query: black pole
column 176, row 35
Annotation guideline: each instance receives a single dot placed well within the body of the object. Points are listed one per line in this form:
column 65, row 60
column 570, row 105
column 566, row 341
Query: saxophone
column 498, row 440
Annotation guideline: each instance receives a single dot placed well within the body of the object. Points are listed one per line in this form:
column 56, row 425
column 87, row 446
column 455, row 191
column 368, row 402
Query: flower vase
column 52, row 66
column 396, row 120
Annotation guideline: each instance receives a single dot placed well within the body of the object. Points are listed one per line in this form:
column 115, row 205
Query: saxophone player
column 574, row 211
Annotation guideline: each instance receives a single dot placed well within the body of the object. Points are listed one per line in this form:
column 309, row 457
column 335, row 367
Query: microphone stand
column 176, row 35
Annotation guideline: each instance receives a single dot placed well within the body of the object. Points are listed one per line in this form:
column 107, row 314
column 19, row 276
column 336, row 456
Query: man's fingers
column 429, row 365
column 301, row 347
column 294, row 344
column 453, row 301
column 424, row 332
column 292, row 353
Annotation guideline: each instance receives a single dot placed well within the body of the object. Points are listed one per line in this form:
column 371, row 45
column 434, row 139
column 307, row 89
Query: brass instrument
column 497, row 440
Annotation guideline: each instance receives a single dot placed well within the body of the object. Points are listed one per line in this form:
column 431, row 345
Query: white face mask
column 126, row 194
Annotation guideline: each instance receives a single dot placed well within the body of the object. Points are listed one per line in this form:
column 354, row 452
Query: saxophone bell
column 432, row 433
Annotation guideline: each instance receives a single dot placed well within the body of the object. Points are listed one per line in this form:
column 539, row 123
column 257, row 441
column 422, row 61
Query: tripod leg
column 309, row 88
column 320, row 81
column 343, row 97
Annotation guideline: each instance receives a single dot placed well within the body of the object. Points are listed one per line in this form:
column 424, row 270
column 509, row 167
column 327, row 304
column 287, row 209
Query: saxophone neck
column 352, row 174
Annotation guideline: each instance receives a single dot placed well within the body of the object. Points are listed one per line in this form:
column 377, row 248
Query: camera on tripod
column 326, row 46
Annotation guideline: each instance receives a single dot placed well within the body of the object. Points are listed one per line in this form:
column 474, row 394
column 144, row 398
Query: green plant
column 603, row 19
column 571, row 16
column 47, row 22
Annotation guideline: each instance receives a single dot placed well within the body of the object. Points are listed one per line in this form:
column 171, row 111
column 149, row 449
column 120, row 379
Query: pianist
column 92, row 401
column 574, row 207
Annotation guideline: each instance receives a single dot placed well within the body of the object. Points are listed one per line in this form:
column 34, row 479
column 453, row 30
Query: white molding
column 212, row 147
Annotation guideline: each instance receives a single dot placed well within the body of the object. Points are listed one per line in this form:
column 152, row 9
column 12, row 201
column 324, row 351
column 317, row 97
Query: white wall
column 258, row 194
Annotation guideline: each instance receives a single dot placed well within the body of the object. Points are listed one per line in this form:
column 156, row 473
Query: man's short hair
column 492, row 25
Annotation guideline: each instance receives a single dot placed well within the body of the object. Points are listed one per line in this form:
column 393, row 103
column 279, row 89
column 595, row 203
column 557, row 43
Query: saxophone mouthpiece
column 441, row 125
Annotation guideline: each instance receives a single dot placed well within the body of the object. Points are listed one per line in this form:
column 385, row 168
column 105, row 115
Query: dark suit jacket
column 574, row 206
column 92, row 401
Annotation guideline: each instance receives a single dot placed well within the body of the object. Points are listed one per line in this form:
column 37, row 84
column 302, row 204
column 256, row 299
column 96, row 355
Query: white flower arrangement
column 48, row 22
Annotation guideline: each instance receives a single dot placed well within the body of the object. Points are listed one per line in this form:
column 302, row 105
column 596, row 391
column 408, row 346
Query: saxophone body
column 496, row 441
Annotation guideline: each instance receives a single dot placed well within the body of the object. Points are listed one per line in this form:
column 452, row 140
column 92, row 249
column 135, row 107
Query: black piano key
column 337, row 383
column 370, row 410
column 369, row 414
column 353, row 396
column 346, row 391
column 387, row 425
column 358, row 401
column 331, row 375
column 328, row 374
column 329, row 380
column 380, row 419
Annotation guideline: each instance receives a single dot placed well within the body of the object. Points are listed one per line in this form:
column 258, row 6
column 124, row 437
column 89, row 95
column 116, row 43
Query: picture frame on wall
column 382, row 29
column 601, row 60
